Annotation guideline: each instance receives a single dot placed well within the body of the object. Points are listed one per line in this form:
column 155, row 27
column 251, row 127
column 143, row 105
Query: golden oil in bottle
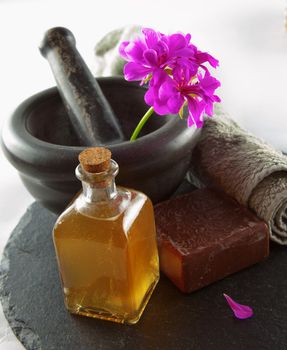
column 105, row 244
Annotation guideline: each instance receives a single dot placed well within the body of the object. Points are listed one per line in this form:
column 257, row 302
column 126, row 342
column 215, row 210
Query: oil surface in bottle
column 108, row 262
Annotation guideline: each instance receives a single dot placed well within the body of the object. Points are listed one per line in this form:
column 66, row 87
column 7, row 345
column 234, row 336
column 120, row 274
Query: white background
column 247, row 36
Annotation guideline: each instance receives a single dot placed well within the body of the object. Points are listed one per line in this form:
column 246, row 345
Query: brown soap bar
column 205, row 236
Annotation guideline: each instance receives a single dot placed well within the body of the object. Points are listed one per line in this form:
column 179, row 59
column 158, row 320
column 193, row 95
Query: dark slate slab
column 32, row 300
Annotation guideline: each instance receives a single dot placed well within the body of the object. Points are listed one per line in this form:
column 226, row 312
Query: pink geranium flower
column 176, row 75
column 153, row 52
column 168, row 95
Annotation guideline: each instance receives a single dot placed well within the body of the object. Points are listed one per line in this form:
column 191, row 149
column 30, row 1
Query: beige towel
column 246, row 168
column 108, row 62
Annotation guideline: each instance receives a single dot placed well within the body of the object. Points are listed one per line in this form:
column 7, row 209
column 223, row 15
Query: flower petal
column 202, row 57
column 135, row 71
column 175, row 103
column 167, row 89
column 209, row 109
column 240, row 311
column 134, row 51
column 209, row 83
column 195, row 108
column 122, row 49
column 160, row 107
column 188, row 37
column 150, row 57
column 192, row 121
column 151, row 37
column 176, row 42
column 163, row 51
column 159, row 77
column 149, row 97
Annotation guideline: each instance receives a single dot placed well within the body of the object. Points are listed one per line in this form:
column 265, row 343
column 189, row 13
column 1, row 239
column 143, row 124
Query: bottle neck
column 94, row 193
column 98, row 187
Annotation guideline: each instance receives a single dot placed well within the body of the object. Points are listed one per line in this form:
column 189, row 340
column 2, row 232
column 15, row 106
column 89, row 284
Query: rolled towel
column 108, row 61
column 246, row 168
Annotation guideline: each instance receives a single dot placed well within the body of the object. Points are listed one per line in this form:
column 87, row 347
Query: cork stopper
column 95, row 159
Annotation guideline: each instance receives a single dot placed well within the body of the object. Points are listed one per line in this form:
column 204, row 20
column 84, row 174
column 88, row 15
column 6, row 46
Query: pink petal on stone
column 240, row 311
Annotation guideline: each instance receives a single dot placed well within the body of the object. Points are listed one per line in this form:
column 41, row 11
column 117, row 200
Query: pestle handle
column 89, row 111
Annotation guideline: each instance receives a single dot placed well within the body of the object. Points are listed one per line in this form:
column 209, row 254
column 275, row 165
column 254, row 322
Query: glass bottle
column 105, row 244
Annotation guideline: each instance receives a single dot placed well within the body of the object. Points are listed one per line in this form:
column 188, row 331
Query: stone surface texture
column 32, row 300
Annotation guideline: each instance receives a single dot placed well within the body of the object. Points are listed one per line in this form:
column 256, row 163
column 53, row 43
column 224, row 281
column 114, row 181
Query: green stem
column 141, row 124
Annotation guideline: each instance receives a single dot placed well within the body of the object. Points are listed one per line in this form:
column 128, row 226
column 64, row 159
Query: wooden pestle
column 90, row 113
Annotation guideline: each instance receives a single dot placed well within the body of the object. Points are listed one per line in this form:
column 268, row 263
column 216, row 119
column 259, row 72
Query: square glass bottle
column 105, row 244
